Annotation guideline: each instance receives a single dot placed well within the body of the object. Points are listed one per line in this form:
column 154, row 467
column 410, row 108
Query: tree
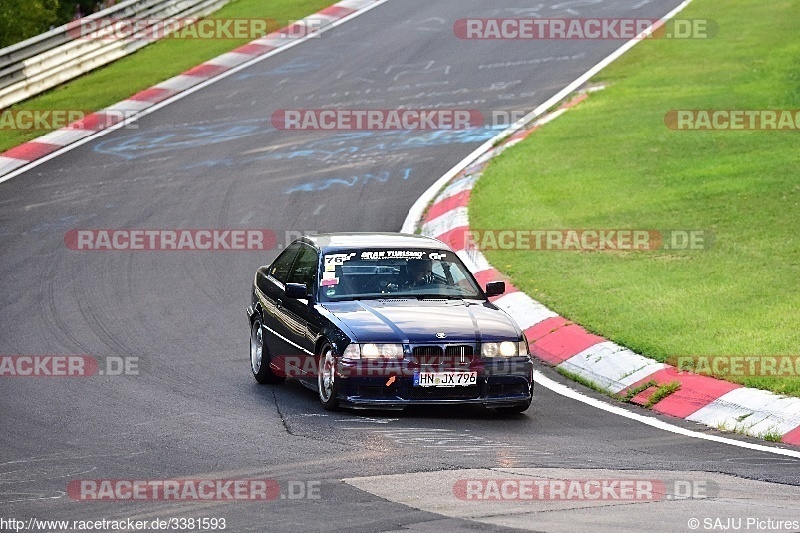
column 23, row 19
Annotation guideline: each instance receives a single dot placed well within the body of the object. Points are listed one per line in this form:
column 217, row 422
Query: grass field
column 613, row 163
column 153, row 64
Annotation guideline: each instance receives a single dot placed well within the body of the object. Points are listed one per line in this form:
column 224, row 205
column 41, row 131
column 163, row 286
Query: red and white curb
column 112, row 116
column 614, row 368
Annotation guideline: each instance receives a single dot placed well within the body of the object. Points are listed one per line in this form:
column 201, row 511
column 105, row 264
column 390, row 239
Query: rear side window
column 280, row 268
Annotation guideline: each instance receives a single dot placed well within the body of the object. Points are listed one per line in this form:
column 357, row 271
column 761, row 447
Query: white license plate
column 445, row 379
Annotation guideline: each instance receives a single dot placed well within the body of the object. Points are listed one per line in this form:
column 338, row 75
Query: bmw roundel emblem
column 441, row 335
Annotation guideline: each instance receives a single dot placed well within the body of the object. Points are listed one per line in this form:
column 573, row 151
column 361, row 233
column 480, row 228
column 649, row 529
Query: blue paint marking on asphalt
column 59, row 224
column 339, row 146
column 349, row 181
column 292, row 67
column 155, row 142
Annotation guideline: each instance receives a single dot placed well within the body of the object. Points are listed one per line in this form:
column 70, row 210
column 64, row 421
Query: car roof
column 332, row 242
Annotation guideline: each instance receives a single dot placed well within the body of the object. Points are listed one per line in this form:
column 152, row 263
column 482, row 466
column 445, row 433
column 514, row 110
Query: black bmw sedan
column 385, row 320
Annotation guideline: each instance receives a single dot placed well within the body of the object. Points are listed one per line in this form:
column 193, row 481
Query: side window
column 438, row 269
column 280, row 268
column 305, row 267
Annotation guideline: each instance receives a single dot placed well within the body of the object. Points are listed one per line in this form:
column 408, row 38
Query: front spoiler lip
column 351, row 401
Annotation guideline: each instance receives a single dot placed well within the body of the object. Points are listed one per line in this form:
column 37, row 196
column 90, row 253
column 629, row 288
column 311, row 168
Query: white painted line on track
column 563, row 390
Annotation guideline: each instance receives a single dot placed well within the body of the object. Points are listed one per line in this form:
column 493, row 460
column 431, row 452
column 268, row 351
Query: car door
column 272, row 286
column 295, row 311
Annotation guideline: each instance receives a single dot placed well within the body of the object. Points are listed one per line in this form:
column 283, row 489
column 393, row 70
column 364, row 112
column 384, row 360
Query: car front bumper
column 500, row 383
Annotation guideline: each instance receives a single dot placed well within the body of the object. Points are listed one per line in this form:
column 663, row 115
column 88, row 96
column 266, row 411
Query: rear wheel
column 259, row 358
column 326, row 378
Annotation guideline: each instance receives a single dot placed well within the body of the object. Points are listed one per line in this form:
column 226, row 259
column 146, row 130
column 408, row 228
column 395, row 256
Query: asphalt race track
column 191, row 408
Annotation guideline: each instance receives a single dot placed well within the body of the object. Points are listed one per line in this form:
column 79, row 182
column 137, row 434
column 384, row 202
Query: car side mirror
column 296, row 290
column 495, row 288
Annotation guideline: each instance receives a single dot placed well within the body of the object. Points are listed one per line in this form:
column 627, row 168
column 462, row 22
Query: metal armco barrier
column 42, row 62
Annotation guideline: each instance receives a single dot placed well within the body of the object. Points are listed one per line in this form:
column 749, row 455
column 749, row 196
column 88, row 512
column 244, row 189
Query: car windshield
column 395, row 273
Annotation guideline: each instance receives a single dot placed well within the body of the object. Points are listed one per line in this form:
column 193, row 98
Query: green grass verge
column 662, row 392
column 153, row 64
column 612, row 163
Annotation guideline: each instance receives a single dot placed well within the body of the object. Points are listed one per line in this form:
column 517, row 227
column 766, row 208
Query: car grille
column 444, row 355
column 428, row 351
column 458, row 350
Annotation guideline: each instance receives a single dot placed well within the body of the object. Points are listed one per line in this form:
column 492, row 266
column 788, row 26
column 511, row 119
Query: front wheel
column 259, row 364
column 326, row 379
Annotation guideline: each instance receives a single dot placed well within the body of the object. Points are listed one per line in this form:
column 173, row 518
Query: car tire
column 259, row 357
column 327, row 383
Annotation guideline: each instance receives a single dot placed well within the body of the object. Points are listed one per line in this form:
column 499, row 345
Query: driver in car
column 420, row 273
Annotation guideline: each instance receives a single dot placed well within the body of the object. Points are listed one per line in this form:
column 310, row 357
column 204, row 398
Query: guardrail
column 42, row 62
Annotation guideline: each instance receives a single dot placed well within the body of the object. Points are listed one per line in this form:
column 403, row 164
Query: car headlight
column 504, row 349
column 373, row 351
column 353, row 351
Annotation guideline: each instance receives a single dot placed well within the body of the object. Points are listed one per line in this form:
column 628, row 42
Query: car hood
column 414, row 322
